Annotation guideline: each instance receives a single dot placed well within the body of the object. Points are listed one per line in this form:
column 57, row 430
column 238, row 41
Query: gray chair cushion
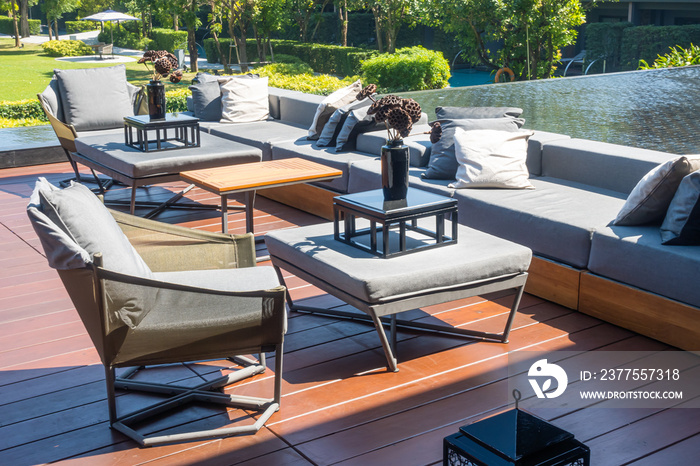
column 260, row 134
column 374, row 280
column 307, row 150
column 51, row 97
column 243, row 279
column 95, row 98
column 682, row 223
column 450, row 113
column 418, row 144
column 443, row 161
column 634, row 255
column 601, row 164
column 110, row 151
column 555, row 220
column 206, row 100
column 78, row 212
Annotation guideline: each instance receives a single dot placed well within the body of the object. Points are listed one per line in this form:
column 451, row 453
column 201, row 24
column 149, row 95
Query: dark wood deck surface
column 339, row 403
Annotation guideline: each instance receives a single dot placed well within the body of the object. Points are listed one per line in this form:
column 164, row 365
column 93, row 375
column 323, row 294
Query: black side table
column 185, row 132
column 403, row 215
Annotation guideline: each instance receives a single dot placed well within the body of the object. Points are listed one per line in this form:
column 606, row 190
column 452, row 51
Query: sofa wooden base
column 554, row 282
column 309, row 198
column 643, row 312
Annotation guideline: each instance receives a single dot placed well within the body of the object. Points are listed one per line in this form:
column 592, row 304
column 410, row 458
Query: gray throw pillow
column 650, row 198
column 443, row 161
column 95, row 98
column 206, row 100
column 452, row 113
column 356, row 123
column 682, row 223
column 335, row 123
column 83, row 217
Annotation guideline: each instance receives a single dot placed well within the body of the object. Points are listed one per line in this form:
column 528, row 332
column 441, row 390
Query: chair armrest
column 65, row 133
column 170, row 248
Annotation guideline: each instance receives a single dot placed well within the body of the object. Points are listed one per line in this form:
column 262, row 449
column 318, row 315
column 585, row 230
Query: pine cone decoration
column 374, row 107
column 400, row 120
column 391, row 100
column 164, row 64
column 435, row 132
column 412, row 108
column 176, row 76
column 366, row 92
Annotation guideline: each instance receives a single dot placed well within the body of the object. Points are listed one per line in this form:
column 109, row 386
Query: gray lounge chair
column 176, row 295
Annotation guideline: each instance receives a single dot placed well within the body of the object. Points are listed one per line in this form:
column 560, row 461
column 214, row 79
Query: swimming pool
column 654, row 109
column 469, row 77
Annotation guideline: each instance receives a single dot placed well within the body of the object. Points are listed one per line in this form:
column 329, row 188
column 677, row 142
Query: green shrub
column 81, row 26
column 176, row 100
column 167, row 39
column 678, row 56
column 604, row 40
column 125, row 36
column 22, row 109
column 66, row 48
column 648, row 42
column 301, row 78
column 7, row 26
column 409, row 69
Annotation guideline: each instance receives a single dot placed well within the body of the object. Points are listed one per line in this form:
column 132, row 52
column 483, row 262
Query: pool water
column 654, row 109
column 469, row 77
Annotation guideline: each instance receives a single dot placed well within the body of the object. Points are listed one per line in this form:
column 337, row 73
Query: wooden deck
column 339, row 403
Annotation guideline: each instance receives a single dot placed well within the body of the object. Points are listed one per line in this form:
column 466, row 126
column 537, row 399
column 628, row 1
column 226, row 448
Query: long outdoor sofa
column 620, row 274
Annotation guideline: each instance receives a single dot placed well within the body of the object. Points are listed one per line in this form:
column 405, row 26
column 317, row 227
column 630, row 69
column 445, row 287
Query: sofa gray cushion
column 555, row 220
column 109, row 150
column 94, row 98
column 681, row 225
column 298, row 108
column 260, row 134
column 451, row 113
column 649, row 200
column 81, row 214
column 356, row 123
column 376, row 280
column 443, row 162
column 206, row 100
column 534, row 149
column 335, row 123
column 601, row 164
column 306, row 149
column 418, row 144
column 635, row 256
column 51, row 97
column 330, row 104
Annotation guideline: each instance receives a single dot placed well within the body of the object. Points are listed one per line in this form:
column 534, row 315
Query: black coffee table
column 185, row 130
column 403, row 215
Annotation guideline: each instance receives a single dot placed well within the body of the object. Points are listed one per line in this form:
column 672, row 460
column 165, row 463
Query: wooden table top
column 257, row 175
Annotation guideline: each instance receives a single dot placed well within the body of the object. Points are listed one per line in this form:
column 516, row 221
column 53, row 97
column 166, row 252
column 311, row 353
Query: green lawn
column 27, row 71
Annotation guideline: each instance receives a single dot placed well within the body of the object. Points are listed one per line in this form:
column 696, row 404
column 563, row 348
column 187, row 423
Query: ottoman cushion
column 476, row 256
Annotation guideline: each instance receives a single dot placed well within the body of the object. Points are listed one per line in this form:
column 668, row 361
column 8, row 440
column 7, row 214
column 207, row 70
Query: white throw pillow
column 491, row 159
column 330, row 104
column 244, row 100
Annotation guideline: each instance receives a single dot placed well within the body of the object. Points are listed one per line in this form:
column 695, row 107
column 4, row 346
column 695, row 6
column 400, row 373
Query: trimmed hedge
column 81, row 26
column 648, row 42
column 605, row 40
column 330, row 59
column 22, row 109
column 167, row 39
column 125, row 36
column 409, row 69
column 7, row 26
column 66, row 48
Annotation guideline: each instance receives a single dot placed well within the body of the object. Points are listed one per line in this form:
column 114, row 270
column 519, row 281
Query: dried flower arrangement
column 163, row 65
column 397, row 114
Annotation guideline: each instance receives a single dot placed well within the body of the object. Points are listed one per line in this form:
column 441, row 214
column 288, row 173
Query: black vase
column 156, row 100
column 394, row 170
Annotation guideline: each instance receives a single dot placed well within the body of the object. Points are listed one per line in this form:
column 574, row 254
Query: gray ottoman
column 478, row 264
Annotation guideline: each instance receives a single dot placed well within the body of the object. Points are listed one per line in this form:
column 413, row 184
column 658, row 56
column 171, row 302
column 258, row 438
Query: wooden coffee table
column 249, row 177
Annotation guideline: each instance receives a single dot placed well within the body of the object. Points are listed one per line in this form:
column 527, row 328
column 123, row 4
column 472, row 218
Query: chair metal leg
column 111, row 399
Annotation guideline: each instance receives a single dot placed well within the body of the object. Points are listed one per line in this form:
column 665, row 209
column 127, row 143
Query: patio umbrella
column 109, row 15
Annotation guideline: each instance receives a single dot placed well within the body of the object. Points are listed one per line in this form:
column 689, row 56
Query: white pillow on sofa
column 244, row 100
column 491, row 159
column 330, row 104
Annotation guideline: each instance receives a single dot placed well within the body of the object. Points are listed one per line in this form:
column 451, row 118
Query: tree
column 390, row 15
column 269, row 16
column 24, row 16
column 238, row 16
column 343, row 7
column 54, row 10
column 523, row 35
